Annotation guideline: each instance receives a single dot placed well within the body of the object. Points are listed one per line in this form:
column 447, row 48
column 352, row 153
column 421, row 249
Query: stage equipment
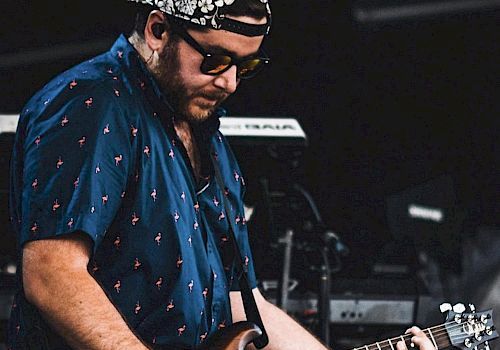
column 380, row 11
column 429, row 217
column 362, row 310
column 8, row 125
column 367, row 301
column 293, row 218
column 263, row 131
column 423, row 210
column 7, row 290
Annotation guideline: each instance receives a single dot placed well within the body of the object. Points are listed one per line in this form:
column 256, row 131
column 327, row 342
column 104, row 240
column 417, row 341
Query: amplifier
column 362, row 310
column 358, row 301
column 372, row 311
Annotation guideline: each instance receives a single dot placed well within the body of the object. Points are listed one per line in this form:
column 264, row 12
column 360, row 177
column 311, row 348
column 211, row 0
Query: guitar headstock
column 469, row 330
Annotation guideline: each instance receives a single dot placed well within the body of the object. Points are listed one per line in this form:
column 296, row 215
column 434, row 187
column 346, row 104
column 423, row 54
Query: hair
column 141, row 18
column 252, row 8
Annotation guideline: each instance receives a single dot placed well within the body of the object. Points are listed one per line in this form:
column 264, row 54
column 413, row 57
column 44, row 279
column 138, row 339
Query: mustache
column 216, row 96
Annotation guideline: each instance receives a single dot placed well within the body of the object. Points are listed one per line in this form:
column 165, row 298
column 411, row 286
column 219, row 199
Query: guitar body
column 234, row 337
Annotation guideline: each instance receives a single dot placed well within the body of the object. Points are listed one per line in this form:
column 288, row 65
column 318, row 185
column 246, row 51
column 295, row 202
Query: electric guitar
column 465, row 331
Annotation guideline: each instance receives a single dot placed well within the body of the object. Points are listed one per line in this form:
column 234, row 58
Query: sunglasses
column 215, row 64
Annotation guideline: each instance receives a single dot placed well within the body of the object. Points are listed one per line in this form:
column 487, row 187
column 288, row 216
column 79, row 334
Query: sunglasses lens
column 248, row 69
column 215, row 64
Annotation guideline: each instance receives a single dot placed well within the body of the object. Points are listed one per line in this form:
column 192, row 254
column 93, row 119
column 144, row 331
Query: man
column 123, row 229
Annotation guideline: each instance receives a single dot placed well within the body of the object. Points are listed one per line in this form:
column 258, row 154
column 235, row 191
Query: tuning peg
column 459, row 308
column 445, row 307
column 486, row 345
column 472, row 308
column 484, row 318
column 468, row 343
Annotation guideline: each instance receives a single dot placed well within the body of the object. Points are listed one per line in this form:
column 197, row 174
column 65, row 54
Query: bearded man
column 128, row 201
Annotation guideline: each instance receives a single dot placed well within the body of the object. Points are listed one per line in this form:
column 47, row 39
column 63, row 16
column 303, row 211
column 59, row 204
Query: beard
column 189, row 106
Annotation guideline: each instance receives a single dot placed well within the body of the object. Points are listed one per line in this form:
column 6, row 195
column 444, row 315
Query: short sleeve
column 76, row 160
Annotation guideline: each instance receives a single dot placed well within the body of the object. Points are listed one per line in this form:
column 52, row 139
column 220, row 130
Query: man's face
column 193, row 94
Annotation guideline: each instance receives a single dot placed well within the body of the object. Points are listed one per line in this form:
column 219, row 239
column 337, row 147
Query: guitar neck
column 438, row 336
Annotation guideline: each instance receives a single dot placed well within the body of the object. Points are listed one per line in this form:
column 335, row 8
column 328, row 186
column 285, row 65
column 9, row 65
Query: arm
column 57, row 282
column 284, row 332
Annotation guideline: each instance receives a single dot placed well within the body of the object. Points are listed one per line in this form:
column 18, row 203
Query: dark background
column 386, row 104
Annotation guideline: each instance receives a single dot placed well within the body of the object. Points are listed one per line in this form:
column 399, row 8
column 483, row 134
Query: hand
column 419, row 339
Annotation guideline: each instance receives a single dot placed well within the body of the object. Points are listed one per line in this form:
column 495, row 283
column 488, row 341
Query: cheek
column 193, row 79
column 189, row 71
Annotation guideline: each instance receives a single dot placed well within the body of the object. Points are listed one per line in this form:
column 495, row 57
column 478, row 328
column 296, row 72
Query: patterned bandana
column 206, row 13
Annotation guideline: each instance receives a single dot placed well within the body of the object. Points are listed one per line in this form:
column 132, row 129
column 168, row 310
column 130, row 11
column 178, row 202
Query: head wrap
column 207, row 13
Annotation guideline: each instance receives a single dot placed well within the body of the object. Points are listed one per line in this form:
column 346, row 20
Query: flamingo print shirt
column 96, row 152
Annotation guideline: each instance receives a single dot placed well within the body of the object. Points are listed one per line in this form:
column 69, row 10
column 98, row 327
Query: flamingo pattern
column 127, row 184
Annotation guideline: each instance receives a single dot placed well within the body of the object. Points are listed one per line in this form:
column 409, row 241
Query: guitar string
column 445, row 333
column 452, row 328
column 440, row 333
column 437, row 338
column 451, row 323
column 397, row 340
column 438, row 330
column 443, row 328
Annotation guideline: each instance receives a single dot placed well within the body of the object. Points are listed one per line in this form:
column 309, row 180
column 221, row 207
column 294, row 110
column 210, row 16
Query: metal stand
column 320, row 239
column 327, row 242
column 325, row 283
column 324, row 299
column 284, row 282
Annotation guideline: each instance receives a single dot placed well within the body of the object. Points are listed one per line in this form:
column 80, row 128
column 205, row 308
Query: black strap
column 251, row 310
column 244, row 28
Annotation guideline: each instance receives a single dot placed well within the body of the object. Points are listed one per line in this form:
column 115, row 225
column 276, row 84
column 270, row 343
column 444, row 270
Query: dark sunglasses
column 215, row 64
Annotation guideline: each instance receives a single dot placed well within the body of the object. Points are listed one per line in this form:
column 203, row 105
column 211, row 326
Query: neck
column 438, row 336
column 142, row 48
column 185, row 134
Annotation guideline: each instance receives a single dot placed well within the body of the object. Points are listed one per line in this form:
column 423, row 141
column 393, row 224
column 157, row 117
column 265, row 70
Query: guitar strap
column 251, row 310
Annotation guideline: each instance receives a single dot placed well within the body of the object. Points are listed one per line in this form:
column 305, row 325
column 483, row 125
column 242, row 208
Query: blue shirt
column 96, row 152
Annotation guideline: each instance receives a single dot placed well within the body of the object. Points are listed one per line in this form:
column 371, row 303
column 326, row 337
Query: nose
column 227, row 80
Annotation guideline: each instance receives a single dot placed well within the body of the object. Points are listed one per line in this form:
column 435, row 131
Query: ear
column 155, row 38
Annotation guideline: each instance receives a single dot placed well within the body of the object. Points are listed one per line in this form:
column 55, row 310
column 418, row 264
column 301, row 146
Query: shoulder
column 84, row 94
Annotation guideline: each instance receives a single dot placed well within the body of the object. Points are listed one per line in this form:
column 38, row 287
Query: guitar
column 466, row 331
column 234, row 337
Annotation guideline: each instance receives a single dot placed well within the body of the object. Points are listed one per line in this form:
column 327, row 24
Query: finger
column 424, row 344
column 400, row 345
column 416, row 331
column 420, row 339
